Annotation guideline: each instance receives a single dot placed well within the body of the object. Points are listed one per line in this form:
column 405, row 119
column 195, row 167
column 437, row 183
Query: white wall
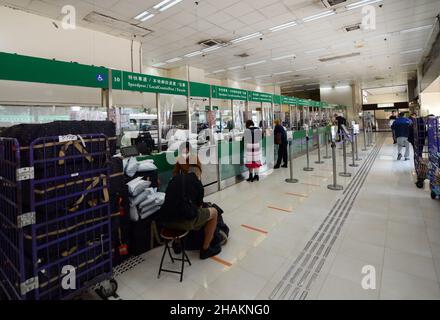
column 32, row 35
column 430, row 103
column 387, row 98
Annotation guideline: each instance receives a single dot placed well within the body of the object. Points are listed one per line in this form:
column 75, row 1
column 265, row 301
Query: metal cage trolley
column 434, row 156
column 55, row 220
column 421, row 154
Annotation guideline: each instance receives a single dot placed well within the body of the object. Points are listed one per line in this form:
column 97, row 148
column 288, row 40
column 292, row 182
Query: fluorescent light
column 411, row 51
column 408, row 64
column 235, row 68
column 326, row 88
column 160, row 64
column 263, row 76
column 283, row 26
column 174, row 60
column 218, row 71
column 319, row 16
column 416, row 29
column 284, row 57
column 160, row 4
column 255, row 63
column 75, row 108
column 244, row 79
column 141, row 15
column 298, row 86
column 312, row 84
column 280, row 73
column 286, row 81
column 307, row 69
column 361, row 4
column 193, row 54
column 170, row 5
column 147, row 17
column 342, row 87
column 216, row 47
column 315, row 50
column 248, row 37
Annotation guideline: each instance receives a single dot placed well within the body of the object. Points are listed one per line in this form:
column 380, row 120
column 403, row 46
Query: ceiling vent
column 342, row 56
column 353, row 27
column 332, row 3
column 210, row 43
column 126, row 29
column 242, row 55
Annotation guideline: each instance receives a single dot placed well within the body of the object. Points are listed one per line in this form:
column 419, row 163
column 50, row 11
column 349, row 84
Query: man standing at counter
column 281, row 140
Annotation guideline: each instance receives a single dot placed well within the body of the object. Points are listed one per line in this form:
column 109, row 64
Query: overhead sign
column 260, row 96
column 16, row 67
column 145, row 83
column 229, row 93
column 303, row 102
column 277, row 99
column 288, row 100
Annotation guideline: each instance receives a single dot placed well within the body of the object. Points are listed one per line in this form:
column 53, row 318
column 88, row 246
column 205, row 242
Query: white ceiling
column 177, row 31
column 387, row 90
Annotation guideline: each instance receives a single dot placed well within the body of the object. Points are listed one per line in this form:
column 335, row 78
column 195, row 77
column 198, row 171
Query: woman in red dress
column 253, row 153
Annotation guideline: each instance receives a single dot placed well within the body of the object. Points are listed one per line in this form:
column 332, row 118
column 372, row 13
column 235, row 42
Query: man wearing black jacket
column 182, row 210
column 281, row 140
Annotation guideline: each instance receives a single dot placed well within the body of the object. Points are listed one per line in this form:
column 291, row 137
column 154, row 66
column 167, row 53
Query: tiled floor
column 393, row 226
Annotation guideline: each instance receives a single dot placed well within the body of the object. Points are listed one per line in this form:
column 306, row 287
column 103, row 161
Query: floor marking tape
column 254, row 229
column 279, row 209
column 297, row 194
column 221, row 261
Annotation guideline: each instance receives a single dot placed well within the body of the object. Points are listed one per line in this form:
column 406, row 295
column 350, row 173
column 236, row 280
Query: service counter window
column 174, row 121
column 224, row 120
column 238, row 109
column 199, row 114
column 267, row 115
column 256, row 113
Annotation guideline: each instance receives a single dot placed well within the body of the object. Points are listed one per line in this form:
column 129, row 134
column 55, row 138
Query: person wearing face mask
column 188, row 162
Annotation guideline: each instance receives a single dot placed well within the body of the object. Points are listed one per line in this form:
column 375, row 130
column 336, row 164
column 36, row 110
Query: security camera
column 261, row 38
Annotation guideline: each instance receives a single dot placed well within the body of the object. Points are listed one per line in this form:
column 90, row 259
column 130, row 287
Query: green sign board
column 303, row 103
column 145, row 83
column 289, row 100
column 200, row 90
column 229, row 93
column 16, row 67
column 260, row 96
column 277, row 99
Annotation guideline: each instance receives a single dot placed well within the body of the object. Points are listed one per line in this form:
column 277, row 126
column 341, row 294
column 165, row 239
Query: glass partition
column 238, row 109
column 174, row 121
column 267, row 115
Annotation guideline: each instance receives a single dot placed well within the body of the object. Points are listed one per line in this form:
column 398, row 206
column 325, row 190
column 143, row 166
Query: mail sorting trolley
column 434, row 156
column 55, row 220
column 421, row 156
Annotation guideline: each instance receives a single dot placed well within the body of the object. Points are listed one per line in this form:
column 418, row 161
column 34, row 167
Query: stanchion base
column 345, row 174
column 335, row 187
column 319, row 162
column 308, row 169
column 358, row 159
column 327, row 157
column 353, row 165
column 292, row 180
column 364, row 149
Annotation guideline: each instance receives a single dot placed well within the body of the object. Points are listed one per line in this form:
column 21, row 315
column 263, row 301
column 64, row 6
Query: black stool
column 177, row 236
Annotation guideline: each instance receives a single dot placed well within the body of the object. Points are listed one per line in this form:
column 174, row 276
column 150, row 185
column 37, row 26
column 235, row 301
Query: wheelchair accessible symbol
column 100, row 77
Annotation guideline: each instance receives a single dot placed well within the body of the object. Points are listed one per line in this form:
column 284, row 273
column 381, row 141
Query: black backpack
column 181, row 198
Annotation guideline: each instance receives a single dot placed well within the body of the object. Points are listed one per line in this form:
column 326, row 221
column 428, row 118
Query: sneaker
column 210, row 252
column 399, row 157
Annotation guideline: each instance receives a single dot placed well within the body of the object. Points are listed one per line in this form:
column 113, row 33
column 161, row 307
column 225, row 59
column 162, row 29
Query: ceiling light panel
column 248, row 37
column 170, row 5
column 255, row 63
column 284, row 26
column 291, row 56
column 319, row 16
column 360, row 4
